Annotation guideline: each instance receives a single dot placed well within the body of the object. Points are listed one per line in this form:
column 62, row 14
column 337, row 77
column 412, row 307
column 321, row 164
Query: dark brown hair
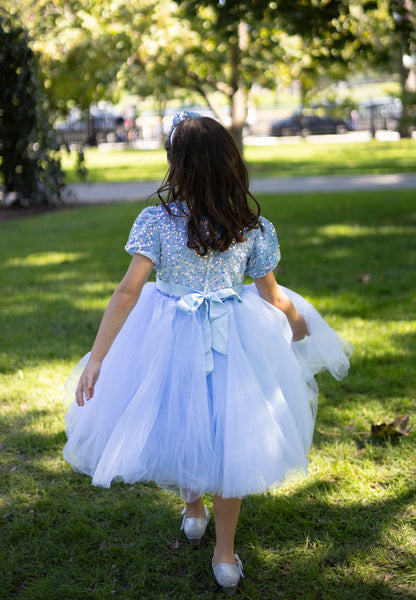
column 206, row 173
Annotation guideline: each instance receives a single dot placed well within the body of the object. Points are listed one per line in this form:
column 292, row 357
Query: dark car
column 93, row 130
column 308, row 124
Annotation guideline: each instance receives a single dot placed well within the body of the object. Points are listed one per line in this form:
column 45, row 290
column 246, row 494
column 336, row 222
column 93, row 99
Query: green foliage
column 30, row 164
column 347, row 530
column 81, row 45
column 404, row 19
column 315, row 42
column 167, row 49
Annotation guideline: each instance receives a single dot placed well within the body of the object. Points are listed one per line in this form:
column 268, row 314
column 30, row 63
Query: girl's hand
column 87, row 382
column 299, row 328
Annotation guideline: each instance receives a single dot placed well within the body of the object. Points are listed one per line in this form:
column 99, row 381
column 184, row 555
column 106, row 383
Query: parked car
column 308, row 123
column 93, row 130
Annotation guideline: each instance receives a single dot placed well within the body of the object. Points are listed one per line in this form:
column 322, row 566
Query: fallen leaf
column 397, row 427
column 174, row 545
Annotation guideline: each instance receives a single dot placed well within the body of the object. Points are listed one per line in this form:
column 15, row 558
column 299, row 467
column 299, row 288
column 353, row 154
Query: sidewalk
column 87, row 193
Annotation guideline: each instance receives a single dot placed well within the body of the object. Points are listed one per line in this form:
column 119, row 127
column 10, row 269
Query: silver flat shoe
column 228, row 575
column 194, row 528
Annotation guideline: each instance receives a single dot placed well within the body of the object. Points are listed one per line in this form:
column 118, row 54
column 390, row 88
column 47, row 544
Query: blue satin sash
column 213, row 312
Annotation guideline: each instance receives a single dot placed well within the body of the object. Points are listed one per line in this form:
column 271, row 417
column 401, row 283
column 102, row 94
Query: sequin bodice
column 163, row 238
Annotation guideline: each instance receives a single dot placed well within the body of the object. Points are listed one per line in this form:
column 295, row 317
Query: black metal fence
column 375, row 116
column 91, row 132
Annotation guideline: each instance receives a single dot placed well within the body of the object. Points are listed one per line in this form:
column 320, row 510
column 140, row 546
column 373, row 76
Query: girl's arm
column 271, row 292
column 119, row 307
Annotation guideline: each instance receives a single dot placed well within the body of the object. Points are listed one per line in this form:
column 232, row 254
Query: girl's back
column 163, row 237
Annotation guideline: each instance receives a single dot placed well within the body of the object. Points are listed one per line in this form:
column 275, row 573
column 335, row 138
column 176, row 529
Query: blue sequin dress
column 203, row 389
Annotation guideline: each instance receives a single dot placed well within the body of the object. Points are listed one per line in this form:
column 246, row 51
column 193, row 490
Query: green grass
column 294, row 159
column 307, row 159
column 347, row 530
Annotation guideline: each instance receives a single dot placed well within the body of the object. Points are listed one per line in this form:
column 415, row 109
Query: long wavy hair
column 207, row 174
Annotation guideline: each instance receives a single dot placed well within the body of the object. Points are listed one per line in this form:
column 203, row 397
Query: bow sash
column 214, row 314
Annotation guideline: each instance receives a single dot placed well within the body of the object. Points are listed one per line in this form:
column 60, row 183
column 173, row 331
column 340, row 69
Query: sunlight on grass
column 46, row 258
column 89, row 302
column 126, row 165
column 337, row 231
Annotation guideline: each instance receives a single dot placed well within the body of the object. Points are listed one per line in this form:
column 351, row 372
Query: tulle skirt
column 242, row 429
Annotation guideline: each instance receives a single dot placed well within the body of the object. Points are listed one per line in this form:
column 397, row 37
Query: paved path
column 113, row 192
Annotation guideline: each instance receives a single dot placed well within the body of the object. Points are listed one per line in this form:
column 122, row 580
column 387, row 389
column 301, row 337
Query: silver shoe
column 228, row 575
column 195, row 528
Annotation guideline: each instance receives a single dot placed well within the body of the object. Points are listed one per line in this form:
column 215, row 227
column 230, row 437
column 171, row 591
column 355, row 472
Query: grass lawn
column 282, row 160
column 346, row 531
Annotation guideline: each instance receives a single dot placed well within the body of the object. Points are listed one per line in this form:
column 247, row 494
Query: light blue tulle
column 243, row 429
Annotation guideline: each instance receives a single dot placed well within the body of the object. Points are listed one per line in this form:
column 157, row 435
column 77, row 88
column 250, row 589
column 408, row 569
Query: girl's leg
column 226, row 512
column 195, row 509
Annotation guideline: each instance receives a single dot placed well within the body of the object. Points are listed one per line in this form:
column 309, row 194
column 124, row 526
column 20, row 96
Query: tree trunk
column 161, row 103
column 407, row 79
column 238, row 116
column 238, row 97
column 408, row 83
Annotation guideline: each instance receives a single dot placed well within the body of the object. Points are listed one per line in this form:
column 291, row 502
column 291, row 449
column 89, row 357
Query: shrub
column 30, row 164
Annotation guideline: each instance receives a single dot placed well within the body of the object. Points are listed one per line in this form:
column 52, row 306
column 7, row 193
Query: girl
column 198, row 382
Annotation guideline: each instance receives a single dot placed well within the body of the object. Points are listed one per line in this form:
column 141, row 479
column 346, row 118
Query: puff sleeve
column 144, row 236
column 265, row 253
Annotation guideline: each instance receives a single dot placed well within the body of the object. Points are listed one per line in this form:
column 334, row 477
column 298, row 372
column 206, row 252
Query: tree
column 30, row 165
column 197, row 55
column 245, row 42
column 404, row 43
column 82, row 45
column 159, row 40
column 390, row 29
column 215, row 49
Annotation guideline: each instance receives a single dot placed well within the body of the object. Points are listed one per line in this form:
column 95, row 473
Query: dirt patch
column 19, row 212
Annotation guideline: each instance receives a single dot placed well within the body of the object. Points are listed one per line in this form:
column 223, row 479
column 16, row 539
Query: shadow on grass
column 22, row 442
column 51, row 330
column 315, row 546
column 66, row 539
column 354, row 254
column 388, row 375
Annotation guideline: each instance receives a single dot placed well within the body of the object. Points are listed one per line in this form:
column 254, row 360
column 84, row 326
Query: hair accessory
column 182, row 116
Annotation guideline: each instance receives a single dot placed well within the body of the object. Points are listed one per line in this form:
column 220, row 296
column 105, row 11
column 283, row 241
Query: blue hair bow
column 182, row 116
